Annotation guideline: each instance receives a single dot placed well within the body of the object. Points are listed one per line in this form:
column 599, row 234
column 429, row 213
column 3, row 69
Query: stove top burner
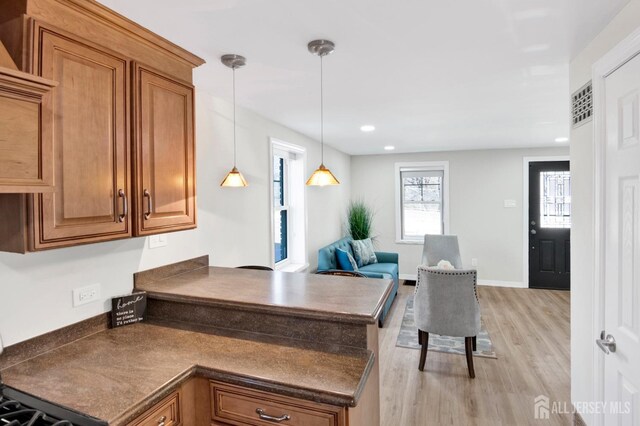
column 12, row 413
column 19, row 408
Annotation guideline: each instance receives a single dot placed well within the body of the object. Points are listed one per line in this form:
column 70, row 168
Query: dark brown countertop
column 118, row 373
column 341, row 299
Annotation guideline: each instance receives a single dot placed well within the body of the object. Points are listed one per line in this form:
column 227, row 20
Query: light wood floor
column 530, row 333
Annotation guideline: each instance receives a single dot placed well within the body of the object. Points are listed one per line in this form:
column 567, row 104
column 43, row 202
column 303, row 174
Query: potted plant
column 359, row 220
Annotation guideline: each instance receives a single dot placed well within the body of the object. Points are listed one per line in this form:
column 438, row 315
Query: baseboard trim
column 491, row 283
column 498, row 283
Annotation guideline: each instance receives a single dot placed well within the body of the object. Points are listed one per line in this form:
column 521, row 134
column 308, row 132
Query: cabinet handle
column 161, row 420
column 125, row 205
column 264, row 416
column 149, row 204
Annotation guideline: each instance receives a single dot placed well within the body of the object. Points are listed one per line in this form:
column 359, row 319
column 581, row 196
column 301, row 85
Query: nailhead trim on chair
column 450, row 272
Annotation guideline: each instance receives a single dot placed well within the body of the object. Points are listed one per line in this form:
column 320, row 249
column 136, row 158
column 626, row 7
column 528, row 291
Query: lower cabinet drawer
column 164, row 413
column 236, row 405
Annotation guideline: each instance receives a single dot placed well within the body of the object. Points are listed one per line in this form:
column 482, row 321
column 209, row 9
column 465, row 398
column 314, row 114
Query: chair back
column 340, row 272
column 441, row 247
column 446, row 302
column 258, row 267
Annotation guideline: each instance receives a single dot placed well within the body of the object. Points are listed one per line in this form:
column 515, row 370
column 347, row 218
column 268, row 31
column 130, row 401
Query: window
column 421, row 200
column 281, row 224
column 288, row 206
column 555, row 199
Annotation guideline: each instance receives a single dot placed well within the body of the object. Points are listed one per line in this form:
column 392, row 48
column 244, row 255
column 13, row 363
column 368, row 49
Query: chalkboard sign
column 128, row 309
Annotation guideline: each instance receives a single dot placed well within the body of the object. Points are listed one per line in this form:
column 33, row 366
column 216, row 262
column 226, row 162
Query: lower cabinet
column 235, row 405
column 166, row 413
column 203, row 402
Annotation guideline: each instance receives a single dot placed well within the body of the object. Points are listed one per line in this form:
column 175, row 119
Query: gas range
column 19, row 408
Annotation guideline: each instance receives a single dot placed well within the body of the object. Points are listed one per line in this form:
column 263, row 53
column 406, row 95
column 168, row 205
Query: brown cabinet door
column 91, row 144
column 25, row 152
column 164, row 166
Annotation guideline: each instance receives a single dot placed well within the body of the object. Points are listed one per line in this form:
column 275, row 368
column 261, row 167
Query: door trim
column 525, row 208
column 622, row 53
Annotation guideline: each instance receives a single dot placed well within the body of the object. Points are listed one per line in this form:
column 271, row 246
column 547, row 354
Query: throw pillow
column 345, row 261
column 445, row 264
column 363, row 252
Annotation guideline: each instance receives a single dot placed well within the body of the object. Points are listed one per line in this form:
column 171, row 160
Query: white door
column 622, row 247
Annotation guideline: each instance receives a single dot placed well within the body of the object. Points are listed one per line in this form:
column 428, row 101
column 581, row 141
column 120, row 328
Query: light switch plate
column 474, row 262
column 156, row 241
column 509, row 204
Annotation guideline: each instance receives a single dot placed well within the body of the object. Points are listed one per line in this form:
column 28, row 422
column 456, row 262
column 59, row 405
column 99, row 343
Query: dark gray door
column 549, row 225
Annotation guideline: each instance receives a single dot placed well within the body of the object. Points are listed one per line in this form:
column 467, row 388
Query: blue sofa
column 387, row 267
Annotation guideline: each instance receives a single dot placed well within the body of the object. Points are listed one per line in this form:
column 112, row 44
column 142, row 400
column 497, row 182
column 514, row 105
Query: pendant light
column 234, row 178
column 322, row 176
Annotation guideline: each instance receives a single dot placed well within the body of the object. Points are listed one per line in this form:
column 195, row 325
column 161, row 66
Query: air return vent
column 582, row 105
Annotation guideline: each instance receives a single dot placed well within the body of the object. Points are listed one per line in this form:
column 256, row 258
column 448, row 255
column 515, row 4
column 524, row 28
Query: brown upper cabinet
column 90, row 139
column 164, row 151
column 122, row 157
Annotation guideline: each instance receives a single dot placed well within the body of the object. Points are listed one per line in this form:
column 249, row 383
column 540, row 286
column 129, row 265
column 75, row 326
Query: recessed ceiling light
column 562, row 139
column 367, row 128
column 536, row 48
column 389, row 148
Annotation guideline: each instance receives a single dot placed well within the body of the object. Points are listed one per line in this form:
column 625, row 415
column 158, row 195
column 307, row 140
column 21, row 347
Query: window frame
column 421, row 166
column 297, row 230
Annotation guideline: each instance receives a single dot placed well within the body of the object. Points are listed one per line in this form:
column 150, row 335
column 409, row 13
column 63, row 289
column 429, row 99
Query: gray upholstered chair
column 441, row 247
column 446, row 301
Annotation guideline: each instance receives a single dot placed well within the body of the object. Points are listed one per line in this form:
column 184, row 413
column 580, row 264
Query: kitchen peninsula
column 222, row 346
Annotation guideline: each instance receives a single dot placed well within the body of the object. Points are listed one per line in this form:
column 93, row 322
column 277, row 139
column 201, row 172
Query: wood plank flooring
column 530, row 333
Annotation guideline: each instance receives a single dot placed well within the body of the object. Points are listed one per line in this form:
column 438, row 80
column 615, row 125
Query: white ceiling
column 429, row 74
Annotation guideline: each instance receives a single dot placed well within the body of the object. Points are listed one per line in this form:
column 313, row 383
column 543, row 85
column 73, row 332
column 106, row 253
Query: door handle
column 606, row 342
column 125, row 205
column 146, row 194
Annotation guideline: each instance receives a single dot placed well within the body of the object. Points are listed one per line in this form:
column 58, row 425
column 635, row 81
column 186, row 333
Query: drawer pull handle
column 161, row 420
column 264, row 416
column 146, row 194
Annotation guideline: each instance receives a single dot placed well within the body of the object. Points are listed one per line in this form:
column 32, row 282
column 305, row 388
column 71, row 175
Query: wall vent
column 582, row 105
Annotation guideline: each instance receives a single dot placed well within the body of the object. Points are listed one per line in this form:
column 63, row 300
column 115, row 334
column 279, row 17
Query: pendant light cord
column 234, row 117
column 321, row 115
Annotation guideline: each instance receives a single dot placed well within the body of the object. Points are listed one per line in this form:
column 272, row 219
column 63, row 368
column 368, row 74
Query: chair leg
column 420, row 337
column 468, row 346
column 475, row 343
column 424, row 341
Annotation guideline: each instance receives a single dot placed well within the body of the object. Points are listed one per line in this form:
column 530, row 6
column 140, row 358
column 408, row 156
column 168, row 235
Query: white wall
column 582, row 237
column 479, row 182
column 233, row 227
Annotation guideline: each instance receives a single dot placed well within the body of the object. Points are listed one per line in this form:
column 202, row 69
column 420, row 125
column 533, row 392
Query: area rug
column 408, row 338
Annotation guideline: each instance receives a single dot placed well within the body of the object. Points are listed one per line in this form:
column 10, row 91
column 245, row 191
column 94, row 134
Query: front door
column 622, row 246
column 549, row 225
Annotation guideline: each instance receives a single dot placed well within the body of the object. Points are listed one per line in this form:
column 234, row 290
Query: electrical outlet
column 474, row 262
column 84, row 295
column 510, row 204
column 156, row 241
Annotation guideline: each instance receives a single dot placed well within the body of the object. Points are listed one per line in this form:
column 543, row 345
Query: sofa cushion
column 345, row 261
column 363, row 252
column 327, row 254
column 382, row 268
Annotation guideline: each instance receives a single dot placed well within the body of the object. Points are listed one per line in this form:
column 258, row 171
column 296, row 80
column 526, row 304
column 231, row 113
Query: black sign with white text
column 128, row 309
